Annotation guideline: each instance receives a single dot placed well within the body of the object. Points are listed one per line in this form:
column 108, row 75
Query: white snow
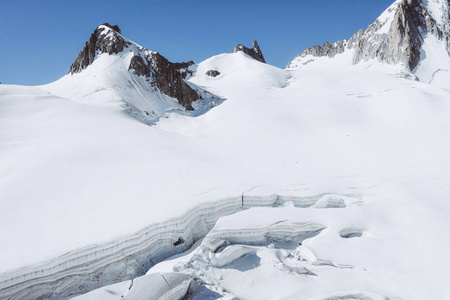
column 269, row 253
column 155, row 286
column 437, row 8
column 108, row 84
column 110, row 292
column 434, row 67
column 238, row 70
column 357, row 149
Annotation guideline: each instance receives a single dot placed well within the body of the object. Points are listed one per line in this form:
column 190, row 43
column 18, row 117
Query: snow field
column 79, row 173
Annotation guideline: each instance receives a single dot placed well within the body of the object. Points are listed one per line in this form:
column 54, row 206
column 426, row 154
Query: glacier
column 324, row 180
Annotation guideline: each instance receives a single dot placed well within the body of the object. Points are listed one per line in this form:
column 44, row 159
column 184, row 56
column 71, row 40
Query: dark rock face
column 99, row 42
column 400, row 43
column 166, row 77
column 114, row 27
column 212, row 73
column 161, row 74
column 253, row 52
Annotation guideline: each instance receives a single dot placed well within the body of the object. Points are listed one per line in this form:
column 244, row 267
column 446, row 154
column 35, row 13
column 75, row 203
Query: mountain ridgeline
column 151, row 86
column 166, row 77
column 395, row 37
column 98, row 44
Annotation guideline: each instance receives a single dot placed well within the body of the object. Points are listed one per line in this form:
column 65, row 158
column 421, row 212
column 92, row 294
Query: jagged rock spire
column 254, row 52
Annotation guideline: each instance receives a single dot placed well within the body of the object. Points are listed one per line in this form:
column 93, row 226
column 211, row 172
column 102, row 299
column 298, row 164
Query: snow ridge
column 147, row 83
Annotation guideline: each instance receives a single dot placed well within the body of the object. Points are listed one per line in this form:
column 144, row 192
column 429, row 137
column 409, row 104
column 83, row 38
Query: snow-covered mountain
column 326, row 180
column 414, row 33
column 130, row 77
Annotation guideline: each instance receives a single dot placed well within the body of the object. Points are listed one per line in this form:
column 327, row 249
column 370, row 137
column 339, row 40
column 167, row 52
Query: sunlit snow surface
column 111, row 85
column 434, row 67
column 437, row 8
column 73, row 175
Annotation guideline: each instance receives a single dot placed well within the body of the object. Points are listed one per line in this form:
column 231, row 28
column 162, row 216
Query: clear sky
column 40, row 39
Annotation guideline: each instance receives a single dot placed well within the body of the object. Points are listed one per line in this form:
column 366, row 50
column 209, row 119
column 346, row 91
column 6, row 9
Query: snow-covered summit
column 400, row 35
column 105, row 39
column 114, row 71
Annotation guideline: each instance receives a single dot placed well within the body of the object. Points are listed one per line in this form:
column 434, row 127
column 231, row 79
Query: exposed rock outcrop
column 105, row 39
column 395, row 37
column 212, row 73
column 167, row 77
column 161, row 74
column 254, row 51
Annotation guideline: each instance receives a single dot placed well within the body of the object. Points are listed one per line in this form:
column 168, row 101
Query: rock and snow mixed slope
column 413, row 33
column 360, row 151
column 113, row 72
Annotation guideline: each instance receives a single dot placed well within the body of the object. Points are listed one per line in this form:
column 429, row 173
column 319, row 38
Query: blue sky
column 40, row 39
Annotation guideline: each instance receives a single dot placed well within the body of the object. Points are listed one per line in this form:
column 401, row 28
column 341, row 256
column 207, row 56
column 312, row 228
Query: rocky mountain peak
column 395, row 37
column 113, row 27
column 105, row 39
column 159, row 74
column 254, row 52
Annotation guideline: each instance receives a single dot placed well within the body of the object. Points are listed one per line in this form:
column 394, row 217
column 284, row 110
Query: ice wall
column 89, row 268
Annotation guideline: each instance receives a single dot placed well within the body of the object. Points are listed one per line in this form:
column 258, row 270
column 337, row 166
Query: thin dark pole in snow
column 242, row 199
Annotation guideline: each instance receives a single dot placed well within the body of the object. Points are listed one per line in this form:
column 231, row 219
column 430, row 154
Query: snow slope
column 349, row 160
column 74, row 175
column 111, row 84
column 434, row 68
